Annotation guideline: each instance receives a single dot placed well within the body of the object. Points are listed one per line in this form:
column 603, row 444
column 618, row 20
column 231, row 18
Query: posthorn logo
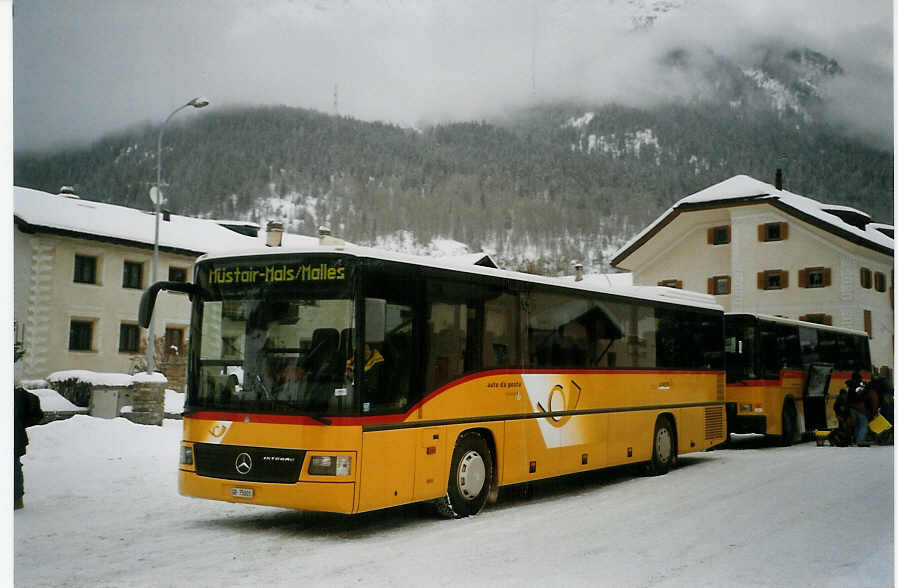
column 244, row 463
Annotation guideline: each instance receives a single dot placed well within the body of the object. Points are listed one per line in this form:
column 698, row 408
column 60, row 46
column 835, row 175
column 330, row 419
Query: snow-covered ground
column 102, row 509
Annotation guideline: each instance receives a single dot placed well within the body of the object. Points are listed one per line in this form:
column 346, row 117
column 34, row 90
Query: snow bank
column 106, row 378
column 102, row 508
column 51, row 401
column 174, row 402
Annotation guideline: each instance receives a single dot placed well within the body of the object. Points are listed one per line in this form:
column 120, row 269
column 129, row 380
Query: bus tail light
column 186, row 455
column 330, row 465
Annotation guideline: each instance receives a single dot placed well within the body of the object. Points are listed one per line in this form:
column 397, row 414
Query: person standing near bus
column 27, row 413
column 858, row 409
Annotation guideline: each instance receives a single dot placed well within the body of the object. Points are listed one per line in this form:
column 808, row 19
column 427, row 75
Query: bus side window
column 500, row 332
column 389, row 377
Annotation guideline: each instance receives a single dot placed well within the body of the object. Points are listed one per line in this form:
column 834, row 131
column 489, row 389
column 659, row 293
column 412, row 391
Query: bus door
column 815, row 396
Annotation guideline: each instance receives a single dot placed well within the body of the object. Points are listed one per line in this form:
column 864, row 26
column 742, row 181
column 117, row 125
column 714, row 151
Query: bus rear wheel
column 470, row 478
column 664, row 447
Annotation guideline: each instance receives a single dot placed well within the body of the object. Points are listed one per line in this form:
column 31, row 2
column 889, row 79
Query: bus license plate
column 242, row 492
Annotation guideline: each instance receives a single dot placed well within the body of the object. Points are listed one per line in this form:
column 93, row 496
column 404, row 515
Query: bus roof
column 647, row 293
column 788, row 321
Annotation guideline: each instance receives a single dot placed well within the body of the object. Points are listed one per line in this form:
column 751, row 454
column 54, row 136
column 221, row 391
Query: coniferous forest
column 539, row 188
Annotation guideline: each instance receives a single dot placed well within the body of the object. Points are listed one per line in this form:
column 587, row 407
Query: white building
column 80, row 268
column 766, row 250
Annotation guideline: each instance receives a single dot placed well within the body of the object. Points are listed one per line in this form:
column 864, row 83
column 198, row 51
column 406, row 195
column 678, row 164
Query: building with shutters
column 762, row 249
column 80, row 268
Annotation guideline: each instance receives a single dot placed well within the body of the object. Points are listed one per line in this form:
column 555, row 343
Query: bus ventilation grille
column 713, row 422
column 249, row 464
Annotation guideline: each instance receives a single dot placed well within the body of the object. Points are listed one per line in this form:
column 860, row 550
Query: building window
column 174, row 341
column 671, row 283
column 177, row 274
column 132, row 275
column 129, row 338
column 819, row 318
column 81, row 334
column 719, row 235
column 773, row 232
column 773, row 280
column 866, row 278
column 85, row 269
column 868, row 323
column 879, row 281
column 814, row 277
column 719, row 285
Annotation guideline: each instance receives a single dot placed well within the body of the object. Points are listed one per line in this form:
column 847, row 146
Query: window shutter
column 710, row 285
column 762, row 233
column 868, row 323
column 679, row 284
column 827, row 276
column 803, row 278
column 803, row 317
column 828, row 320
column 784, row 231
column 762, row 282
column 711, row 236
column 784, row 279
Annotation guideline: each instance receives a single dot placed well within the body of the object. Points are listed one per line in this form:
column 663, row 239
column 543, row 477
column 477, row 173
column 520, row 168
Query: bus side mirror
column 148, row 299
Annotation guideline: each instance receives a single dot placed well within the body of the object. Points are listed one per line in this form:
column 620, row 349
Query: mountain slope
column 539, row 188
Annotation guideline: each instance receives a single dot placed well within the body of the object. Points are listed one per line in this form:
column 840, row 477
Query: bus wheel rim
column 471, row 475
column 663, row 445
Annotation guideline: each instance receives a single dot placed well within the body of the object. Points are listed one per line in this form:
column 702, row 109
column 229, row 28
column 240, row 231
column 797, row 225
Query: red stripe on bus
column 400, row 418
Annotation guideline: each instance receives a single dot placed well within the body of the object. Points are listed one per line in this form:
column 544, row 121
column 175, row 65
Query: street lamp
column 157, row 201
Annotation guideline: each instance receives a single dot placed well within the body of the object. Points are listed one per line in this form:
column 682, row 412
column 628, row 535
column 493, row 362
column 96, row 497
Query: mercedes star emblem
column 244, row 463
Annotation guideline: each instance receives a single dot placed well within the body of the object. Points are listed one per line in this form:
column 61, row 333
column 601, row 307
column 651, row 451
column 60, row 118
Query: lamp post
column 157, row 201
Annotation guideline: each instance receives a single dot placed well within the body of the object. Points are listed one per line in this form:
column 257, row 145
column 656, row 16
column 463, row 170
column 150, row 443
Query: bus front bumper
column 321, row 496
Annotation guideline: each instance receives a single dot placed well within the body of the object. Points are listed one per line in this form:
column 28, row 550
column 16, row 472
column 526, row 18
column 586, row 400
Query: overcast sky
column 83, row 68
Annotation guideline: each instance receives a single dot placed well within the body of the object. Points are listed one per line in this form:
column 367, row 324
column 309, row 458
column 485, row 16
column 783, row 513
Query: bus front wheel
column 664, row 447
column 470, row 478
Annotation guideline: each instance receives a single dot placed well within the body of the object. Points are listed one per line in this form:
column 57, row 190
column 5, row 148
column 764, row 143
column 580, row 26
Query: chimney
column 274, row 233
column 68, row 192
column 578, row 271
column 325, row 239
column 778, row 182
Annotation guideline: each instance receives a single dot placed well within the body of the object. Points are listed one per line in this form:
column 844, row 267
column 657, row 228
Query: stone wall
column 147, row 403
column 176, row 372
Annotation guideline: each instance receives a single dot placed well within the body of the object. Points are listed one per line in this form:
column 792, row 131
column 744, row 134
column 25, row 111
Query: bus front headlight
column 330, row 465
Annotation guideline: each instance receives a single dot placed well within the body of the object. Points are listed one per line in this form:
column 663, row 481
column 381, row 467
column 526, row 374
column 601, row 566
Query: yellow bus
column 345, row 379
column 783, row 376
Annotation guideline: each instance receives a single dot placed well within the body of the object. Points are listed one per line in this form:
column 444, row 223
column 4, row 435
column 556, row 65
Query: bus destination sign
column 320, row 272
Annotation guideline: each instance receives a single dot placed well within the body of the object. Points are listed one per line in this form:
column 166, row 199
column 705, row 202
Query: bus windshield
column 282, row 354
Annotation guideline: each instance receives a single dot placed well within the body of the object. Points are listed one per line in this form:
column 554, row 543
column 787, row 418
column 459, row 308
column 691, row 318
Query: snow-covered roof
column 67, row 215
column 39, row 210
column 483, row 259
column 463, row 263
column 741, row 189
